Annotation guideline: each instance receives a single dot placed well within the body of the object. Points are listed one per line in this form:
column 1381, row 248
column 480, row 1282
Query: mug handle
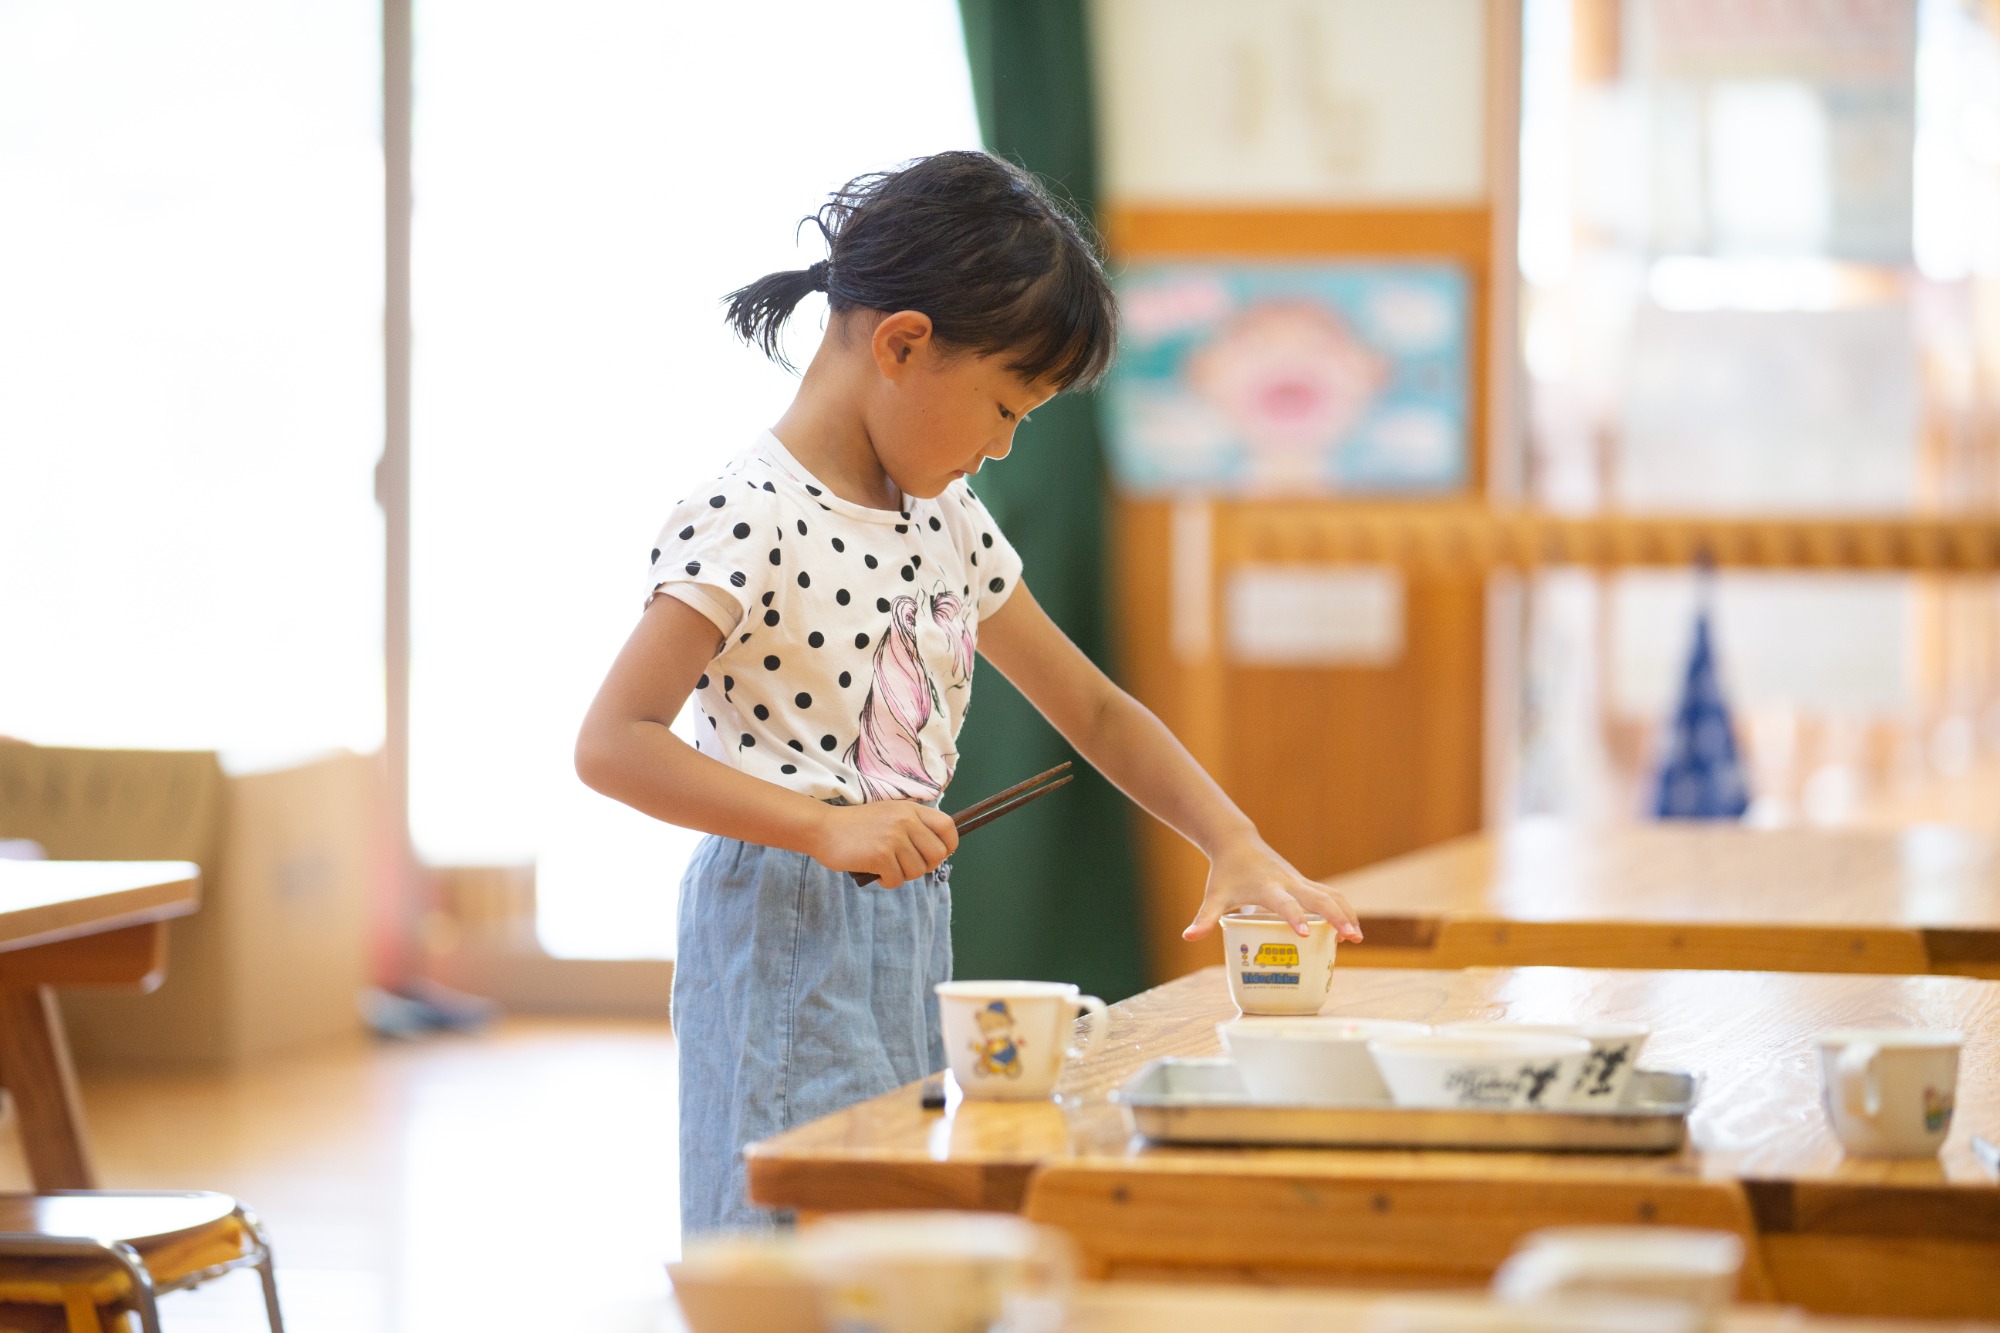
column 1093, row 1031
column 1860, row 1090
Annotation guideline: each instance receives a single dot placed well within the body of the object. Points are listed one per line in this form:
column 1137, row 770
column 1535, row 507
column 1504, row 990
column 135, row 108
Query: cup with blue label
column 1272, row 968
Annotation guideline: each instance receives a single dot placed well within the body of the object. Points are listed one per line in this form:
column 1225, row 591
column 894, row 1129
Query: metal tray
column 1202, row 1101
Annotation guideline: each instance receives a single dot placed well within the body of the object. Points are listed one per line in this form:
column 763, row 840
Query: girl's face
column 935, row 416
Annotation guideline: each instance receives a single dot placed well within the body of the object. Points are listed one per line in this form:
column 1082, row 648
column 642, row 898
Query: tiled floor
column 521, row 1179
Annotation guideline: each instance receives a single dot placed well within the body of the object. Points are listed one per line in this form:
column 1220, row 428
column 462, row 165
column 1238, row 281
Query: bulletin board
column 1294, row 379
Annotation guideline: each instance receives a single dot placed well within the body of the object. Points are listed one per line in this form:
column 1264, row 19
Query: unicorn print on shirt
column 903, row 699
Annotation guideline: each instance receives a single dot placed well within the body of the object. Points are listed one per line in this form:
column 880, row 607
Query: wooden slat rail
column 1471, row 538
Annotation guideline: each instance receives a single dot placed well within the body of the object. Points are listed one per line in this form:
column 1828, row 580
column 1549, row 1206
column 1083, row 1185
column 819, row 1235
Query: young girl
column 823, row 598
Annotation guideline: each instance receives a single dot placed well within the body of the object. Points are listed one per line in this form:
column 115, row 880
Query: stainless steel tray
column 1202, row 1101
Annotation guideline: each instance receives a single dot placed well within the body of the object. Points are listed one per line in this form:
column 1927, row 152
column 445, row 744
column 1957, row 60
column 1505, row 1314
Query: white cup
column 1272, row 968
column 1889, row 1091
column 923, row 1272
column 1605, row 1075
column 1007, row 1040
column 1311, row 1061
column 737, row 1282
column 1486, row 1072
column 1694, row 1267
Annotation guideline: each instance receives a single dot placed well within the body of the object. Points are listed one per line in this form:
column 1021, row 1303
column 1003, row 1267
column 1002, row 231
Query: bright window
column 190, row 374
column 590, row 179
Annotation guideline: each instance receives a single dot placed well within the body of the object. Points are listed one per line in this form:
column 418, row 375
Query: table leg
column 35, row 1068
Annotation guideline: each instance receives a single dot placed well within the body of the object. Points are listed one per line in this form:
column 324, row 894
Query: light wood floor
column 521, row 1179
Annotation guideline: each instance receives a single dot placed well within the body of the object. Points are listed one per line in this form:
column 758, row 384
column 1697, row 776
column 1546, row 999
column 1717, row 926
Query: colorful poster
column 1313, row 379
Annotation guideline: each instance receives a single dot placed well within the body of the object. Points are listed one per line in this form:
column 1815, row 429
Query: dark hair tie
column 818, row 275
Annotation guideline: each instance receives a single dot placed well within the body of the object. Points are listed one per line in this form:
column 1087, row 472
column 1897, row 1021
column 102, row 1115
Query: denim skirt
column 796, row 992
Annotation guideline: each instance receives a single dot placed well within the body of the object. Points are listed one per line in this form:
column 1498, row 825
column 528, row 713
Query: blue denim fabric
column 796, row 992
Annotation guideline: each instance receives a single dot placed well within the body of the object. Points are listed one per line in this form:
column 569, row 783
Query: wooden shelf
column 1459, row 537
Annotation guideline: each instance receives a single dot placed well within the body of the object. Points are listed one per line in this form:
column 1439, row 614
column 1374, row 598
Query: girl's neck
column 826, row 429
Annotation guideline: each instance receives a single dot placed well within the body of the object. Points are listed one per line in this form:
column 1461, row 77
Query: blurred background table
column 1925, row 899
column 73, row 923
column 1826, row 1232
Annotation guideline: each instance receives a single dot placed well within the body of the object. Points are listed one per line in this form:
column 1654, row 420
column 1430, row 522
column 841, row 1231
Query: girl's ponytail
column 977, row 244
column 758, row 312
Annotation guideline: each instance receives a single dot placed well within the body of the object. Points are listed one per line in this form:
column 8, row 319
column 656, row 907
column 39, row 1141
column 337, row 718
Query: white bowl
column 1604, row 1078
column 1486, row 1072
column 1696, row 1267
column 1473, row 1314
column 1311, row 1061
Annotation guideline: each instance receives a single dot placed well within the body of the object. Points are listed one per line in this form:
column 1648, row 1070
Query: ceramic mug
column 1606, row 1074
column 1889, row 1091
column 1272, row 968
column 939, row 1272
column 1697, row 1268
column 1484, row 1072
column 1311, row 1061
column 1007, row 1040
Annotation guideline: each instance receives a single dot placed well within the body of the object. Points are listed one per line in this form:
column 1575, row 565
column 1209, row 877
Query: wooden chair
column 81, row 1260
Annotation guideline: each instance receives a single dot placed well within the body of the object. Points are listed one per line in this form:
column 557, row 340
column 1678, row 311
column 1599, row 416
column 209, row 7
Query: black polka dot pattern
column 859, row 619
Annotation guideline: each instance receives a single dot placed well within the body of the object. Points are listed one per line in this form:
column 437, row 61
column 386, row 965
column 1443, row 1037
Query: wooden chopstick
column 988, row 816
column 981, row 813
column 978, row 808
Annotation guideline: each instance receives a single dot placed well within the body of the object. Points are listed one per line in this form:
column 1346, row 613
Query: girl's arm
column 627, row 751
column 1126, row 743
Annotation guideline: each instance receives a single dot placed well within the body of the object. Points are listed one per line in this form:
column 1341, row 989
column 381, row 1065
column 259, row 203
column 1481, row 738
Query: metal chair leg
column 266, row 1272
column 144, row 1303
column 270, row 1281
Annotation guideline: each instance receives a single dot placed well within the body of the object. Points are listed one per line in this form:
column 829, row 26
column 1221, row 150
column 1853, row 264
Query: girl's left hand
column 1250, row 874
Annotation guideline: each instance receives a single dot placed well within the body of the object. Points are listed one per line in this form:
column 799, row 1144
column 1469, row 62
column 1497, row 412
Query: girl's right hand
column 896, row 841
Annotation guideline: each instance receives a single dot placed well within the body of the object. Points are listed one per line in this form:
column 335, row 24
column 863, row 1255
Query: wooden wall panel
column 1339, row 767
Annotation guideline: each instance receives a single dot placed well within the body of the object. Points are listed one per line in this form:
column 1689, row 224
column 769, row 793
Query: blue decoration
column 1701, row 776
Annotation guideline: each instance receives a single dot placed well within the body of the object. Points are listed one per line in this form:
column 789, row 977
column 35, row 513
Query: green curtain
column 1048, row 892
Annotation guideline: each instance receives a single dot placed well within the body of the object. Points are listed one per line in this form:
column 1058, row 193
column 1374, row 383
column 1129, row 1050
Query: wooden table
column 73, row 923
column 1686, row 896
column 1826, row 1232
column 1139, row 1307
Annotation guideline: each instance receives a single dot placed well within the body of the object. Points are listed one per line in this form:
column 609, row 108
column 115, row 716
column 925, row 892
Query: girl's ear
column 900, row 341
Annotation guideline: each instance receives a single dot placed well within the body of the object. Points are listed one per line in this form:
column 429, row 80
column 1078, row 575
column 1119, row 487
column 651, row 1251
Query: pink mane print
column 887, row 754
column 950, row 614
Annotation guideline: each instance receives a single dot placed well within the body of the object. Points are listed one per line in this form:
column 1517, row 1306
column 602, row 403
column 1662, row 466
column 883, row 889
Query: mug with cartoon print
column 1890, row 1092
column 1008, row 1040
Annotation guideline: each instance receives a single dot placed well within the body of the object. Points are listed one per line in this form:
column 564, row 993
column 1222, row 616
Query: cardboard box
column 279, row 949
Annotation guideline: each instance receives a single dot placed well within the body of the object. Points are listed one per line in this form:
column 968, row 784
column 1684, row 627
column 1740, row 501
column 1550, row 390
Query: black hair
column 977, row 244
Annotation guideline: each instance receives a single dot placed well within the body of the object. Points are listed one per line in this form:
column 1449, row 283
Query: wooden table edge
column 162, row 901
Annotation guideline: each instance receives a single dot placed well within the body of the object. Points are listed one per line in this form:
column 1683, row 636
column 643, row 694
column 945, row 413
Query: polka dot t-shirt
column 848, row 632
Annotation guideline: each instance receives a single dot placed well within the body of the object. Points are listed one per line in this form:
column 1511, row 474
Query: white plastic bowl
column 1696, row 1267
column 1311, row 1061
column 1487, row 1072
column 1605, row 1076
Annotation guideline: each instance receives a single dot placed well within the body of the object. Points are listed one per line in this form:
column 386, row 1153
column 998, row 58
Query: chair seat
column 136, row 1219
column 177, row 1236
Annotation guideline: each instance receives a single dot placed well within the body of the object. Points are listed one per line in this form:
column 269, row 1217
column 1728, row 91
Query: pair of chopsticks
column 981, row 813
